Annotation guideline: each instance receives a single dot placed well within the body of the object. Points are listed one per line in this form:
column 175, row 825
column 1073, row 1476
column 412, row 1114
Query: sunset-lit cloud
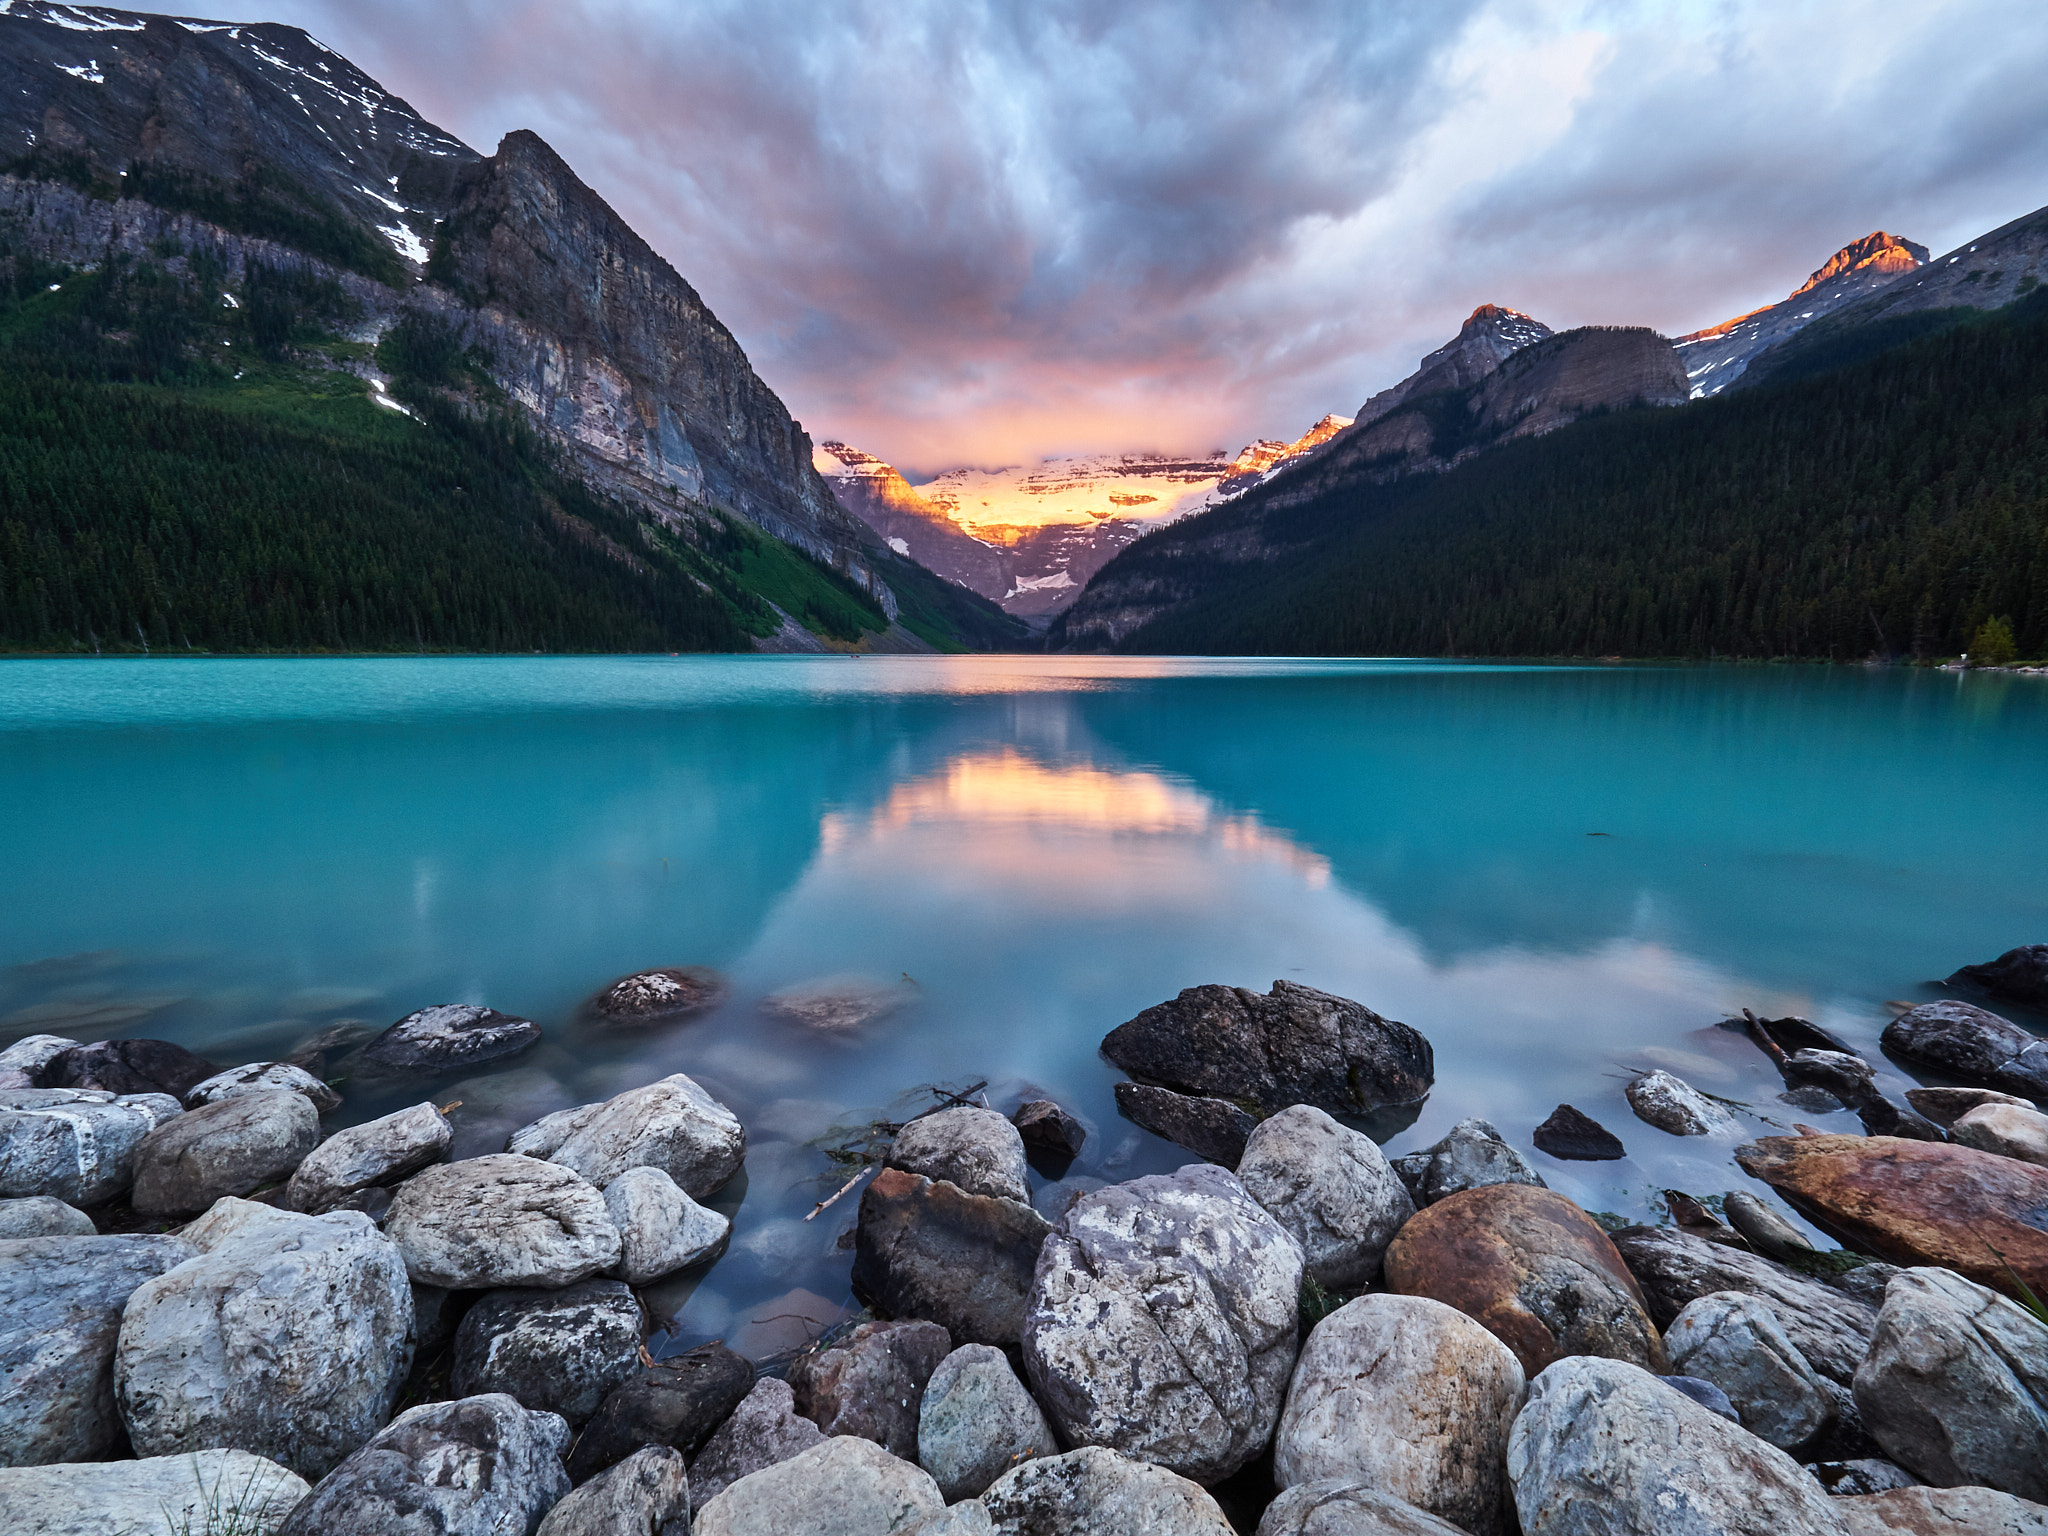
column 977, row 231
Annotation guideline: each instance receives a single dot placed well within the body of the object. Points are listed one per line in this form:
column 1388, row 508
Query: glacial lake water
column 1558, row 874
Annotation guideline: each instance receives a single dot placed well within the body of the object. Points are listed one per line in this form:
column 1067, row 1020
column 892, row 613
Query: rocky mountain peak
column 1877, row 253
column 1490, row 335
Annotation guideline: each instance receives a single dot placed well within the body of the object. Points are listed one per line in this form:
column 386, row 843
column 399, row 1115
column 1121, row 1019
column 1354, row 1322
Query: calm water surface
column 1557, row 874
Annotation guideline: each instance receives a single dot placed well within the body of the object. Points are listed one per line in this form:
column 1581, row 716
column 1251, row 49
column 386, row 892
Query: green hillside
column 1887, row 493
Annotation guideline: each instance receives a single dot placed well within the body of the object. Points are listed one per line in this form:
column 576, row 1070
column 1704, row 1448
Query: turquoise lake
column 1557, row 874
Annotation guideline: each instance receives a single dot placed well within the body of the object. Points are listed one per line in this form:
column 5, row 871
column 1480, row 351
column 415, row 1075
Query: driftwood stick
column 833, row 1200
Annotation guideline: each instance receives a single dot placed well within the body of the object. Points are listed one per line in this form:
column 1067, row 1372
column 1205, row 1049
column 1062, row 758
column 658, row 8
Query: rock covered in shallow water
column 262, row 1077
column 1672, row 1104
column 1293, row 1045
column 1410, row 1396
column 839, row 1005
column 1471, row 1156
column 647, row 1494
column 229, row 1147
column 1971, row 1042
column 871, row 1383
column 673, row 1125
column 1576, row 1137
column 1955, row 1387
column 1346, row 1506
column 676, row 1401
column 977, row 1421
column 479, row 1466
column 1215, row 1130
column 503, row 1220
column 1162, row 1322
column 74, row 1144
column 933, row 1251
column 448, row 1037
column 2020, row 974
column 1331, row 1188
column 846, row 1487
column 126, row 1067
column 659, row 996
column 661, row 1229
column 2006, row 1129
column 561, row 1350
column 764, row 1429
column 976, row 1149
column 1603, row 1448
column 60, row 1314
column 1942, row 1512
column 368, row 1156
column 42, row 1216
column 1049, row 1131
column 1736, row 1342
column 1533, row 1269
column 286, row 1335
column 172, row 1495
column 1097, row 1492
column 1944, row 1106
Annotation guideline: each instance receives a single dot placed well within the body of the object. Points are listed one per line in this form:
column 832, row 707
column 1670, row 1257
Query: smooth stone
column 1706, row 1394
column 1472, row 1156
column 230, row 1147
column 60, row 1315
column 1094, row 1491
column 1576, row 1137
column 1864, row 1474
column 42, row 1216
column 977, row 1149
column 1915, row 1202
column 502, row 1220
column 2006, row 1129
column 1331, row 1188
column 22, row 1062
column 261, row 1077
column 126, row 1067
column 287, row 1335
column 448, row 1037
column 561, row 1350
column 673, row 1125
column 838, row 1005
column 1764, row 1229
column 764, row 1429
column 155, row 1496
column 676, row 1401
column 1955, row 1387
column 668, row 993
column 1944, row 1106
column 977, row 1421
column 931, row 1250
column 1215, row 1130
column 967, row 1518
column 1603, row 1447
column 369, row 1156
column 1881, row 1117
column 1736, row 1342
column 1411, row 1397
column 75, row 1145
column 1293, row 1045
column 1831, row 1329
column 1672, row 1104
column 1943, row 1512
column 2020, row 974
column 871, row 1383
column 1345, row 1506
column 1971, row 1042
column 846, row 1487
column 478, row 1466
column 1162, row 1322
column 647, row 1494
column 1049, row 1130
column 1843, row 1076
column 661, row 1229
column 1533, row 1269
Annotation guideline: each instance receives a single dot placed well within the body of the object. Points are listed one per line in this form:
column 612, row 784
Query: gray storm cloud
column 972, row 231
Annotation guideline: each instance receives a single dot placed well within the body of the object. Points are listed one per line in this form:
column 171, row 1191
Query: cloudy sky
column 978, row 231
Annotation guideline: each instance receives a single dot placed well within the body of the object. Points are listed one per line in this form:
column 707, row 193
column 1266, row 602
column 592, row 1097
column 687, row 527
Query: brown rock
column 871, row 1383
column 930, row 1250
column 1531, row 1267
column 1942, row 1512
column 1916, row 1202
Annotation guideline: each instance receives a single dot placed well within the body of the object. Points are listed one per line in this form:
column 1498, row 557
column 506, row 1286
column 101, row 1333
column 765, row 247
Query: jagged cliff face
column 1716, row 357
column 1987, row 273
column 1490, row 335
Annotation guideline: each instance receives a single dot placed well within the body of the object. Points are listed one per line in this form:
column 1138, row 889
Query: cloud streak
column 976, row 231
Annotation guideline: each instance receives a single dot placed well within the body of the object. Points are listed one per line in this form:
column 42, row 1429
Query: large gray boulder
column 126, row 1067
column 931, row 1250
column 43, row 1216
column 1094, row 1491
column 478, row 1466
column 1331, row 1188
column 1347, row 1506
column 369, row 1156
column 661, row 1229
column 1293, row 1045
column 1736, row 1342
column 228, row 1492
column 502, row 1220
column 1955, row 1387
column 764, row 1429
column 60, row 1314
column 1971, row 1042
column 1472, row 1156
column 448, row 1037
column 1410, row 1396
column 672, row 1125
column 286, row 1335
column 871, row 1383
column 977, row 1421
column 1162, row 1322
column 679, row 1400
column 647, row 1494
column 1215, row 1130
column 22, row 1063
column 262, row 1077
column 75, row 1144
column 232, row 1146
column 847, row 1486
column 1942, row 1512
column 974, row 1148
column 562, row 1351
column 1604, row 1448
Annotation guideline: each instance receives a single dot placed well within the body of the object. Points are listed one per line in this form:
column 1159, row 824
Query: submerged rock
column 2006, row 1129
column 977, row 1149
column 1970, row 1042
column 369, row 1156
column 1736, row 1342
column 764, row 1429
column 1578, row 1138
column 661, row 1229
column 1331, row 1188
column 871, row 1383
column 1215, row 1130
column 846, row 1487
column 448, row 1037
column 75, row 1145
column 647, row 1494
column 1347, row 1506
column 977, row 1421
column 1097, row 1492
column 262, row 1077
column 503, row 1220
column 1293, row 1045
column 43, row 1216
column 839, row 1005
column 1049, row 1131
column 1672, row 1104
column 562, row 1350
column 175, row 1495
column 676, row 1401
column 659, row 996
column 673, row 1125
column 933, row 1251
column 232, row 1146
column 126, row 1067
column 2020, row 974
column 1472, row 1156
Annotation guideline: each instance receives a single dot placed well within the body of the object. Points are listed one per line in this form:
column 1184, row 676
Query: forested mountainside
column 1887, row 497
column 211, row 233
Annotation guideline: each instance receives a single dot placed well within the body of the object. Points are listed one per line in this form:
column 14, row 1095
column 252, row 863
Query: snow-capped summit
column 1490, row 334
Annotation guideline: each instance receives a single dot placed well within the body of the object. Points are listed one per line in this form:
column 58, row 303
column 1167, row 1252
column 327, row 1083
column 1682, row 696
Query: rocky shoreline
column 350, row 1332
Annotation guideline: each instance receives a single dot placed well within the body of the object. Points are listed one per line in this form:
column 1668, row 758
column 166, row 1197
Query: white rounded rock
column 199, row 1492
column 260, row 1077
column 502, row 1220
column 1097, row 1492
column 1331, row 1188
column 365, row 1156
column 976, row 1149
column 672, row 1125
column 1736, row 1342
column 661, row 1229
column 77, row 1145
column 846, row 1487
